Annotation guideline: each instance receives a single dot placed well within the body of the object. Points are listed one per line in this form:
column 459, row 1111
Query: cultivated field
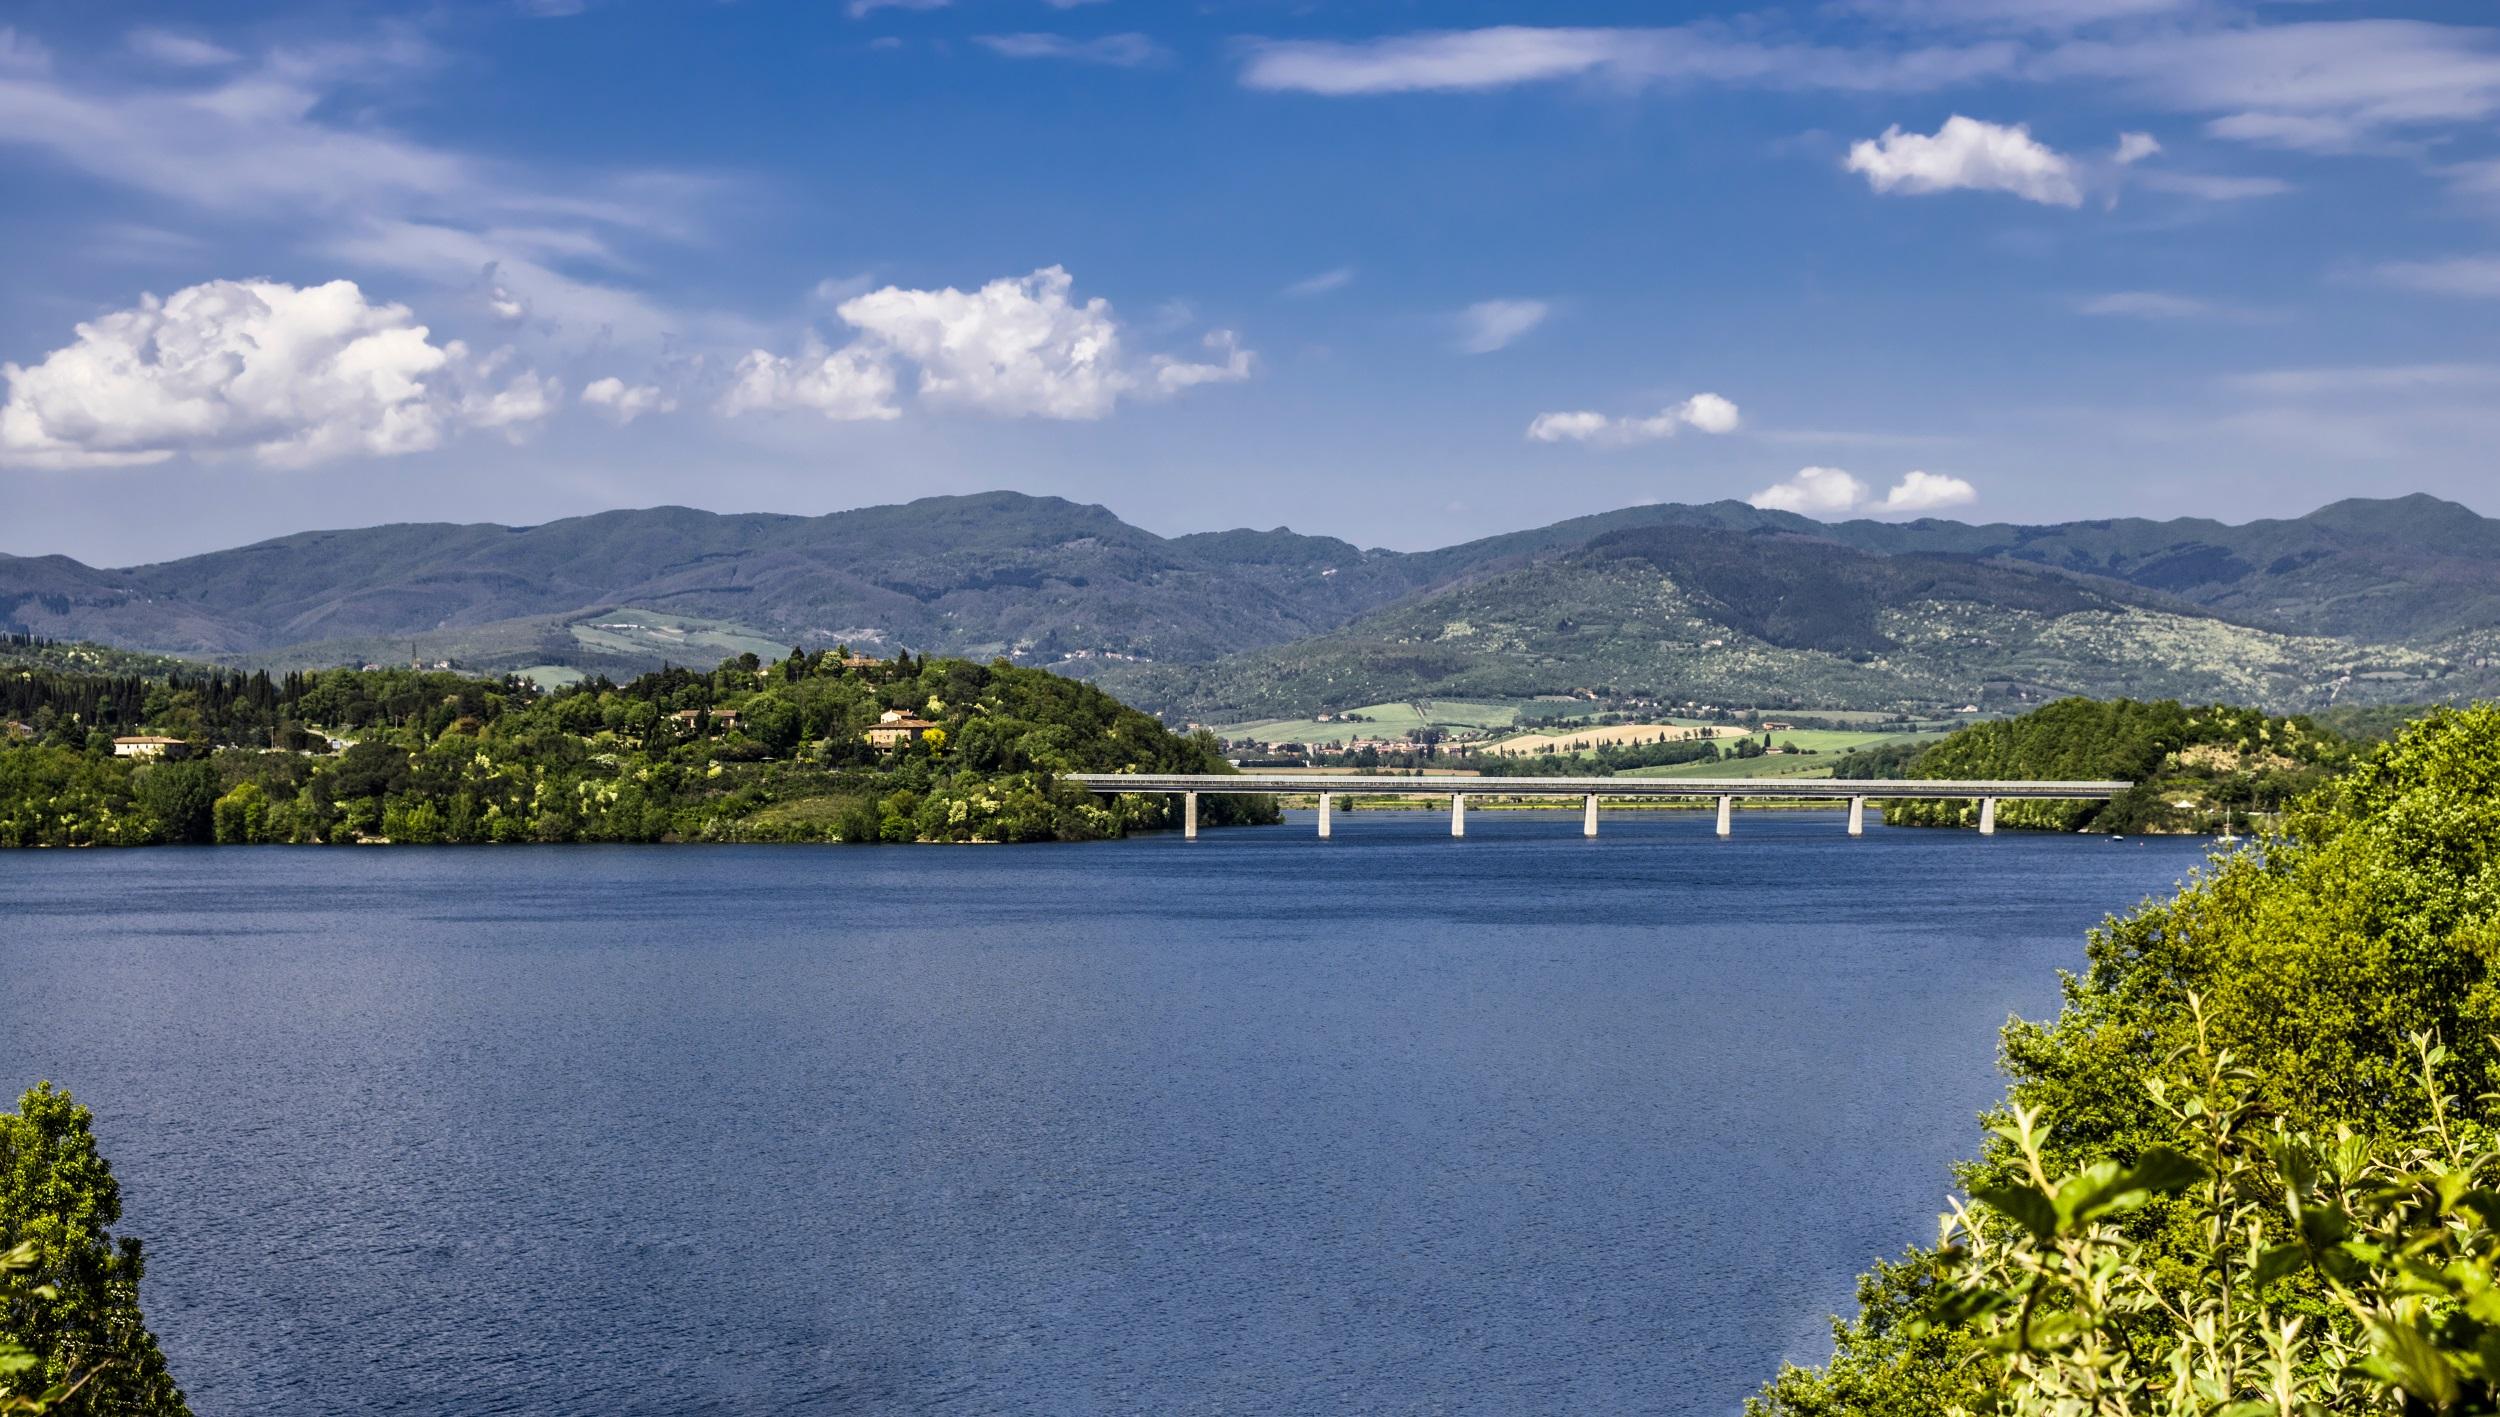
column 1389, row 720
column 1581, row 739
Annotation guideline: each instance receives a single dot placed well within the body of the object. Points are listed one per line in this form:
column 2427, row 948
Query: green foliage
column 2343, row 1276
column 763, row 752
column 70, row 1311
column 2310, row 964
column 2227, row 765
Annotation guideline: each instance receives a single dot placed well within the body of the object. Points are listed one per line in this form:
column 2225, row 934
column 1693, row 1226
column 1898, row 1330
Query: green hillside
column 2195, row 769
column 1685, row 615
column 755, row 750
column 1649, row 607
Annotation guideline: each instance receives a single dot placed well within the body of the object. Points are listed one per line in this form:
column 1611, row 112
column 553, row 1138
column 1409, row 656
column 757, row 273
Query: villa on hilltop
column 895, row 728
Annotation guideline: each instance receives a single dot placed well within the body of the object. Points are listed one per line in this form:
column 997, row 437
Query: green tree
column 2373, row 917
column 182, row 798
column 58, row 1195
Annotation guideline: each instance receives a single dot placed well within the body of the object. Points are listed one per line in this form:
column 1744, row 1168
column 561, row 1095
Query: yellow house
column 895, row 728
column 150, row 745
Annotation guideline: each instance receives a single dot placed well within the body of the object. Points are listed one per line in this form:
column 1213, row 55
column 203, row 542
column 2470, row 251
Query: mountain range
column 2367, row 599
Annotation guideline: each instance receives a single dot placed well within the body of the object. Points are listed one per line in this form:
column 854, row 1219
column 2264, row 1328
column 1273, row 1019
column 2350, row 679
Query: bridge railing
column 1857, row 792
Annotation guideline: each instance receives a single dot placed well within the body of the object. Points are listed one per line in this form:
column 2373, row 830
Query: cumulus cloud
column 626, row 402
column 258, row 369
column 1119, row 51
column 1968, row 154
column 1489, row 325
column 2134, row 148
column 1016, row 347
column 849, row 385
column 1927, row 492
column 1708, row 413
column 1827, row 492
column 1813, row 492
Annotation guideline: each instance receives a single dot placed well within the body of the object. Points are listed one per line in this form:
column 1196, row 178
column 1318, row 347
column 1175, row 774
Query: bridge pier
column 1588, row 816
column 1727, row 816
column 1987, row 816
column 1857, row 816
column 1325, row 799
column 1458, row 814
column 1189, row 816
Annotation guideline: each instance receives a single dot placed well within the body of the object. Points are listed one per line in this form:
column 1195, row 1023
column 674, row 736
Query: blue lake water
column 1254, row 1124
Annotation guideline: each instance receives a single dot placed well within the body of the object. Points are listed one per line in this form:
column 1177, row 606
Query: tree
column 58, row 1195
column 2372, row 918
column 182, row 797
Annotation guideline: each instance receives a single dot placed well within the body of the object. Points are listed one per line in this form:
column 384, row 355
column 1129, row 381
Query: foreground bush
column 2312, row 965
column 71, row 1339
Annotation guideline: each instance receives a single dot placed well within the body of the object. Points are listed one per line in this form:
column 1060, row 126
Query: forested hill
column 2362, row 600
column 2195, row 769
column 755, row 750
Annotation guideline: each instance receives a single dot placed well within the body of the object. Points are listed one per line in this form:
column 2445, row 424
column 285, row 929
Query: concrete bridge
column 1856, row 791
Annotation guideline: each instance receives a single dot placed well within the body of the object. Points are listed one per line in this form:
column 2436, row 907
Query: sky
column 1402, row 271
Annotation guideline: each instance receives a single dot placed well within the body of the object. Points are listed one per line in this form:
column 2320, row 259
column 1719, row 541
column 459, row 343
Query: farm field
column 1387, row 720
column 1580, row 739
column 1826, row 745
column 627, row 630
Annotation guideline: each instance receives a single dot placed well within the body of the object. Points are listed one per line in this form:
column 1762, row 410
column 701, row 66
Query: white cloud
column 2016, row 14
column 2319, row 85
column 1016, row 347
column 1452, row 61
column 1813, row 492
column 1234, row 364
column 2298, row 132
column 848, row 385
column 1013, row 347
column 260, row 369
column 275, row 140
column 179, row 50
column 2322, row 85
column 1489, row 325
column 2134, row 148
column 2473, row 276
column 1119, row 51
column 626, row 402
column 861, row 9
column 1967, row 153
column 1322, row 283
column 1707, row 412
column 1828, row 492
column 1927, row 492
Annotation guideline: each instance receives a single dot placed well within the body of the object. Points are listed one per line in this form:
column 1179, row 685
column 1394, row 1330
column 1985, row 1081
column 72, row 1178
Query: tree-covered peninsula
column 2194, row 769
column 824, row 746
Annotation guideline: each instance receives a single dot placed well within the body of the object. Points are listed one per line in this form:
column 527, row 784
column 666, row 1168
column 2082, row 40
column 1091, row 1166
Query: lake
column 1388, row 1124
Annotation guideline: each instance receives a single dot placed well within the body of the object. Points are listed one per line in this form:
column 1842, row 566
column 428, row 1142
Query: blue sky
column 1401, row 272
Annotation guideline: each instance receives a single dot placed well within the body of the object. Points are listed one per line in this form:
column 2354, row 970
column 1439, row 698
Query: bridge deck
column 1389, row 786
